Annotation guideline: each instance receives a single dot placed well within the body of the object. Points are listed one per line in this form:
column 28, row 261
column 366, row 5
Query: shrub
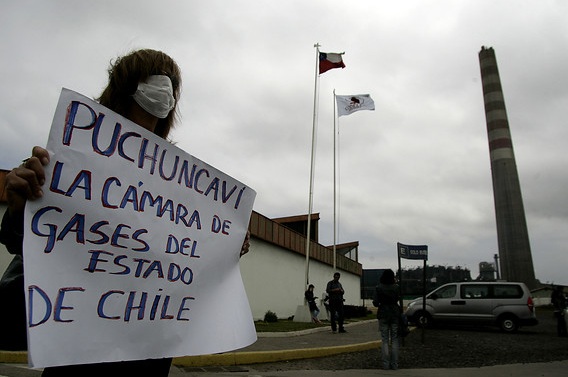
column 352, row 311
column 270, row 316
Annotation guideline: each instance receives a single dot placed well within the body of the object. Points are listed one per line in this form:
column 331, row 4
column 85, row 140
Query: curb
column 324, row 328
column 14, row 357
column 233, row 358
column 259, row 357
column 243, row 358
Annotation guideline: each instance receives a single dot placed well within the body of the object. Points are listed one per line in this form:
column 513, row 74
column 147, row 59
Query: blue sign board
column 412, row 251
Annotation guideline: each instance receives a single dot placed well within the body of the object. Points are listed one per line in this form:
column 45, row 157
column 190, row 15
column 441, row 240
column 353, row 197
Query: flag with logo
column 349, row 104
column 330, row 60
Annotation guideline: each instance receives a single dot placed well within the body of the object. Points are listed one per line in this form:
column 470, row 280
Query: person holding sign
column 144, row 87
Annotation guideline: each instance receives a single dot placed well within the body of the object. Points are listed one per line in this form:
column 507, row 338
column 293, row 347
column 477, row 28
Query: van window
column 507, row 291
column 474, row 291
column 446, row 292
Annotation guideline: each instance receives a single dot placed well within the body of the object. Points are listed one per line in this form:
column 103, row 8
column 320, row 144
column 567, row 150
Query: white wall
column 274, row 279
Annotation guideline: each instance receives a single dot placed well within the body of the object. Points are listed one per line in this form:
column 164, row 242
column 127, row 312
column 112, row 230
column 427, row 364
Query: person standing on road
column 388, row 313
column 335, row 291
column 558, row 300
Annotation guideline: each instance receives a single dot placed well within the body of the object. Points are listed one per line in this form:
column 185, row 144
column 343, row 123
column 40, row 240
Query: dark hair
column 387, row 277
column 125, row 74
column 310, row 286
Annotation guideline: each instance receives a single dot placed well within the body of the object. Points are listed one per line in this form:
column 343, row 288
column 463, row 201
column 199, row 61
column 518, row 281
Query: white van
column 504, row 304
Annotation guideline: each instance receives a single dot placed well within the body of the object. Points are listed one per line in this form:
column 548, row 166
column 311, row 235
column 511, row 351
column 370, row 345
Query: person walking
column 335, row 291
column 388, row 314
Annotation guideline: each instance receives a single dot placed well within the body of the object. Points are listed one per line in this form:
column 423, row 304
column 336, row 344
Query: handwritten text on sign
column 134, row 247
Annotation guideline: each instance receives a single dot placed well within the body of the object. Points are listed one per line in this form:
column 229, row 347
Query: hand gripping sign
column 132, row 253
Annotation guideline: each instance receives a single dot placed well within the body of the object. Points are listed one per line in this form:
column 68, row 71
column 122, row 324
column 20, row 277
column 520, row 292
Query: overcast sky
column 416, row 170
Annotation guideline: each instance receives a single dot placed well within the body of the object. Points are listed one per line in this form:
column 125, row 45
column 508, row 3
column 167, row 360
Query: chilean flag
column 330, row 60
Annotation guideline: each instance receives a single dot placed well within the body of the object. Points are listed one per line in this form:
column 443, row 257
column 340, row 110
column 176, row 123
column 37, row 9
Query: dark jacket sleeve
column 12, row 234
column 13, row 313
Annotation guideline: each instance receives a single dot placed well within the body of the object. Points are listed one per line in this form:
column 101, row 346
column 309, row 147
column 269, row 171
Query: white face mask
column 156, row 95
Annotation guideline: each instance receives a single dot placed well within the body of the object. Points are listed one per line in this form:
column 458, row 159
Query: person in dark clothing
column 144, row 86
column 335, row 291
column 311, row 299
column 13, row 335
column 388, row 313
column 558, row 300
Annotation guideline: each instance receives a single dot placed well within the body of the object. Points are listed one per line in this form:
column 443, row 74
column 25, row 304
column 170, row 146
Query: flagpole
column 312, row 167
column 334, row 185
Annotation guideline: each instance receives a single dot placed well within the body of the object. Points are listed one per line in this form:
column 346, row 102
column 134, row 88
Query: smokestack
column 512, row 232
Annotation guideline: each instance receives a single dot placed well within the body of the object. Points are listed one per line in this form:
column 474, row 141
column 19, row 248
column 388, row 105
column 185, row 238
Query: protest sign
column 133, row 251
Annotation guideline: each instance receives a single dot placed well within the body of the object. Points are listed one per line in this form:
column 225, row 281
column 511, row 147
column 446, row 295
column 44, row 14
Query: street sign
column 412, row 251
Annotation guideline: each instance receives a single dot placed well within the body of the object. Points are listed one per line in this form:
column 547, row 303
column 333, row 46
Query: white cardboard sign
column 133, row 251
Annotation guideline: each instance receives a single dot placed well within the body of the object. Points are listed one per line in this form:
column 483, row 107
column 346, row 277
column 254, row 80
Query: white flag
column 349, row 104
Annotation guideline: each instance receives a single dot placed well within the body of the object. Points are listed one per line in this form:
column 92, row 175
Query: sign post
column 416, row 252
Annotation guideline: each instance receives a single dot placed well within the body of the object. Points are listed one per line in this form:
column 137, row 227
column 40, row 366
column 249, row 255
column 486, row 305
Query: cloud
column 415, row 170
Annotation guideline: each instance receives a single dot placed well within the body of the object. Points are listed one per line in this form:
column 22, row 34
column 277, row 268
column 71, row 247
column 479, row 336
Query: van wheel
column 422, row 319
column 508, row 323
